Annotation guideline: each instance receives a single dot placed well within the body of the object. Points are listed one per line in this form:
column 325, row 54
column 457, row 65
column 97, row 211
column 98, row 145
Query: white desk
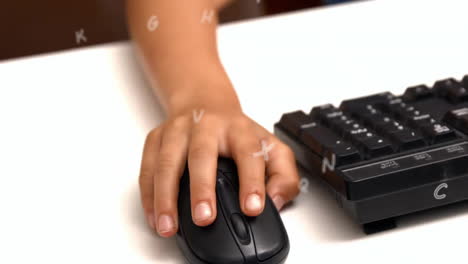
column 73, row 126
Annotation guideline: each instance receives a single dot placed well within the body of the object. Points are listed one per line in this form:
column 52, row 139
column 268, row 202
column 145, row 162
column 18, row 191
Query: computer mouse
column 232, row 238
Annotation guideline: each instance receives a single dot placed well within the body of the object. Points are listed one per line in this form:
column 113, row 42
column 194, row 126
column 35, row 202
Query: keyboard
column 384, row 155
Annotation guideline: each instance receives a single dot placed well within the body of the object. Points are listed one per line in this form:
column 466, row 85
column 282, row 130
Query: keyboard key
column 404, row 112
column 407, row 114
column 458, row 94
column 413, row 114
column 417, row 93
column 319, row 138
column 453, row 90
column 458, row 118
column 296, row 121
column 421, row 120
column 343, row 124
column 393, row 106
column 325, row 112
column 355, row 104
column 465, row 81
column 325, row 142
column 377, row 121
column 438, row 133
column 366, row 114
column 370, row 143
column 389, row 126
column 359, row 134
column 441, row 87
column 374, row 121
column 375, row 146
column 344, row 154
column 407, row 139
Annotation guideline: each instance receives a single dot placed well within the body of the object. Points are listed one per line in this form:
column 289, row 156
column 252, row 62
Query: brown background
column 31, row 27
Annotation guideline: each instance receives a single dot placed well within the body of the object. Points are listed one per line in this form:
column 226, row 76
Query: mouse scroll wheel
column 240, row 228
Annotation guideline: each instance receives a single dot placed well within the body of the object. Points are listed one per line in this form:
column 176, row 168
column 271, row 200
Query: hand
column 224, row 132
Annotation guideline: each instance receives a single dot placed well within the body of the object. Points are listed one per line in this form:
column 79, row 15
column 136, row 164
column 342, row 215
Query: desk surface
column 73, row 126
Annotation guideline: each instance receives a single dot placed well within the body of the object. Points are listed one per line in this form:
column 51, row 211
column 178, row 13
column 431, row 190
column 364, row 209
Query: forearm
column 179, row 54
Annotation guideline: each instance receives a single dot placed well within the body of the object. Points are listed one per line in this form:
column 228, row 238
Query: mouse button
column 214, row 243
column 227, row 196
column 184, row 198
column 226, row 165
column 232, row 177
column 268, row 232
column 240, row 228
column 210, row 244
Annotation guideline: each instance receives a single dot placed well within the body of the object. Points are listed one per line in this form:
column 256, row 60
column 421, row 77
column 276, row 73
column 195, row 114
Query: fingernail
column 202, row 212
column 279, row 202
column 165, row 224
column 150, row 219
column 253, row 203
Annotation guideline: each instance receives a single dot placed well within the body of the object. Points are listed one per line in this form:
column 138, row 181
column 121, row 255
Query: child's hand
column 200, row 135
column 180, row 57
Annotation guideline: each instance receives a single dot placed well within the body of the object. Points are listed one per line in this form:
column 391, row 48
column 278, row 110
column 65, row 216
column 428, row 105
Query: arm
column 205, row 119
column 180, row 55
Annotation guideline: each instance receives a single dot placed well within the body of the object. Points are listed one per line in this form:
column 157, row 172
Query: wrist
column 211, row 91
column 208, row 96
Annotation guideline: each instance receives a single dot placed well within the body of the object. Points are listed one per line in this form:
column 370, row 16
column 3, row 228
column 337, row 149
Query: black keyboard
column 385, row 155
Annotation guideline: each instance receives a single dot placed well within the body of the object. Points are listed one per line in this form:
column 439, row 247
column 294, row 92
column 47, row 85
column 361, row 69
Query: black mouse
column 232, row 238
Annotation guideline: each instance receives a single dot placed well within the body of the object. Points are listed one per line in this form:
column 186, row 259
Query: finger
column 170, row 164
column 246, row 149
column 283, row 182
column 150, row 150
column 202, row 162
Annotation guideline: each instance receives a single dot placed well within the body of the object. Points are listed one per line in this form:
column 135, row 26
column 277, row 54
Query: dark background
column 31, row 27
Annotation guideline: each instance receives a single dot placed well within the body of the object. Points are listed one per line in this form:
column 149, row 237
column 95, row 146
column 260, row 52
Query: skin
column 181, row 60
